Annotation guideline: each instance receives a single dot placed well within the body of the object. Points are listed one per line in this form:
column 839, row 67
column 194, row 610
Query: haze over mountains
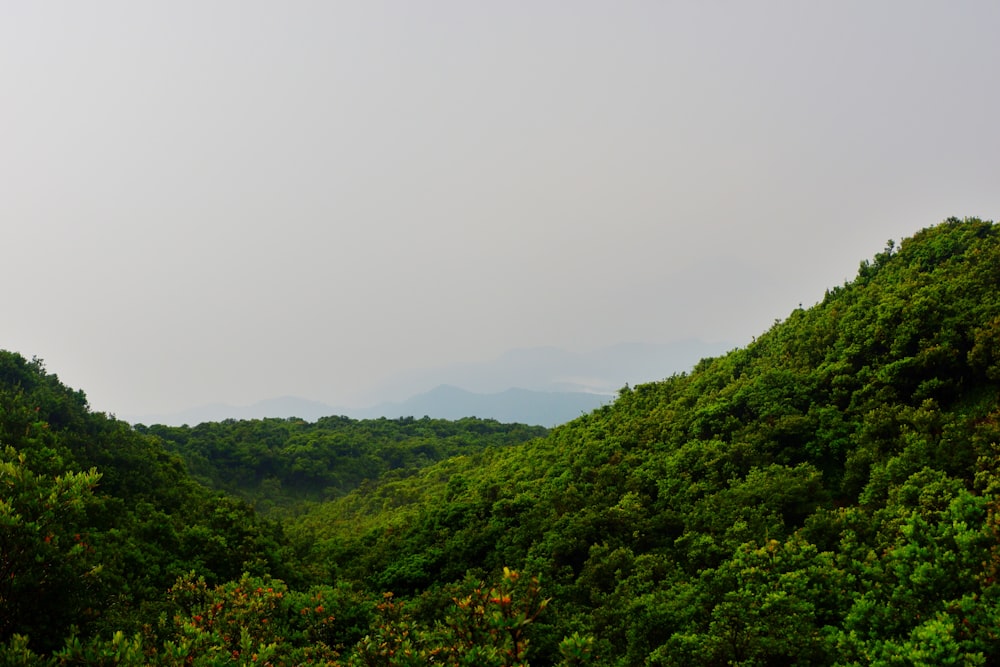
column 545, row 386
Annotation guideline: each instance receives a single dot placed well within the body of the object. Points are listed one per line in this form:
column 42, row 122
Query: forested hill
column 97, row 521
column 281, row 461
column 827, row 495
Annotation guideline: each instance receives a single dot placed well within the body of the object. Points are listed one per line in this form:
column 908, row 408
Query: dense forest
column 826, row 495
column 281, row 462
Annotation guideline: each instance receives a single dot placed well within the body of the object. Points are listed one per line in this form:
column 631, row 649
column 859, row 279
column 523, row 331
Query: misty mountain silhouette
column 542, row 408
column 543, row 386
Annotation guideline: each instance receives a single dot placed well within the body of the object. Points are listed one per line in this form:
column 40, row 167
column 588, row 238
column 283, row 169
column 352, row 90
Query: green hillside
column 823, row 496
column 98, row 521
column 276, row 463
column 826, row 495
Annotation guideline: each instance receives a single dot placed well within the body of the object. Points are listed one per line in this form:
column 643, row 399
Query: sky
column 235, row 200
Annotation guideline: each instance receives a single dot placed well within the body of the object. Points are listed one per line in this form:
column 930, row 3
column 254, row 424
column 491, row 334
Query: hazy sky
column 233, row 200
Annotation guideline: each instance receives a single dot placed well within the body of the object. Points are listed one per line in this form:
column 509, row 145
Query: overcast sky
column 234, row 200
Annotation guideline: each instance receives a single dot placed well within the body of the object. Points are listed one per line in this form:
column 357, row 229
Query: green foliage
column 251, row 620
column 277, row 462
column 47, row 566
column 97, row 520
column 834, row 427
column 828, row 495
column 765, row 605
column 16, row 653
column 119, row 651
column 486, row 626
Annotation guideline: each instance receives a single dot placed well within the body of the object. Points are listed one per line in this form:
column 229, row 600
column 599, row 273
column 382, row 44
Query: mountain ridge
column 565, row 383
column 512, row 405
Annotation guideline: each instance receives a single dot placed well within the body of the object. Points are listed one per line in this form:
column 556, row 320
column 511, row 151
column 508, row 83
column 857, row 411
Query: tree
column 49, row 573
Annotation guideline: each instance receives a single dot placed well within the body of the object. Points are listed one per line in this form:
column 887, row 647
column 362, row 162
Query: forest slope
column 278, row 462
column 825, row 495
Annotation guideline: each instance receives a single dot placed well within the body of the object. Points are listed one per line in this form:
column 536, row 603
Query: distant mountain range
column 542, row 408
column 601, row 371
column 543, row 386
column 525, row 406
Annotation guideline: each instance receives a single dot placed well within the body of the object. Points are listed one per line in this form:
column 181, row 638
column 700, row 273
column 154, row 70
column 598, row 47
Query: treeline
column 827, row 495
column 284, row 461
